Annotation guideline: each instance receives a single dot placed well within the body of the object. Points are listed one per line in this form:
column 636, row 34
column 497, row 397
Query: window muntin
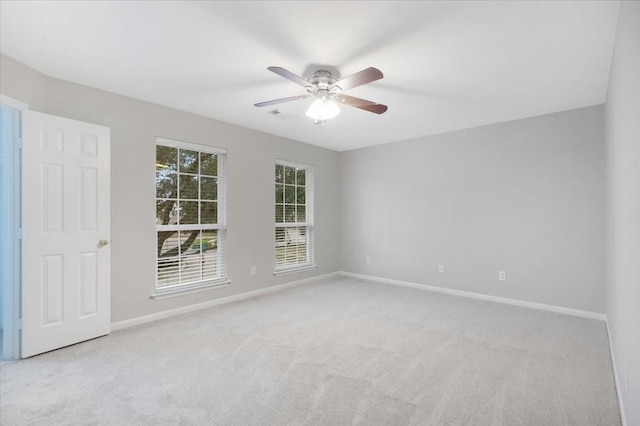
column 293, row 216
column 190, row 215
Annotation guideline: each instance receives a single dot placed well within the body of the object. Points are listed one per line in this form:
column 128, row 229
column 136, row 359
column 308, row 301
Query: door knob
column 103, row 242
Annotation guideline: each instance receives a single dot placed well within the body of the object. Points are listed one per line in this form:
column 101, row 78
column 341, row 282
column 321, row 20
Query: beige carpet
column 337, row 352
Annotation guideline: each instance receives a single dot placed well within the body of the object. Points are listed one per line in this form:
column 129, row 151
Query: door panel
column 52, row 288
column 66, row 231
column 52, row 187
column 88, row 199
column 89, row 284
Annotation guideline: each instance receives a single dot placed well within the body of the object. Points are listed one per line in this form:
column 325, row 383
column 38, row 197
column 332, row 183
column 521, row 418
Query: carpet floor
column 336, row 352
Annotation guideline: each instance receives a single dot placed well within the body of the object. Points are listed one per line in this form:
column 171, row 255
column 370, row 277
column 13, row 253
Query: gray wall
column 623, row 193
column 251, row 157
column 525, row 196
column 22, row 83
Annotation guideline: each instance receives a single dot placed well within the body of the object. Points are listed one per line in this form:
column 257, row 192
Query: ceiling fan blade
column 281, row 100
column 358, row 79
column 362, row 104
column 290, row 76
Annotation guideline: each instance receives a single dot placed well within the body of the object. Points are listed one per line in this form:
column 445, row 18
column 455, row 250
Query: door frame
column 11, row 300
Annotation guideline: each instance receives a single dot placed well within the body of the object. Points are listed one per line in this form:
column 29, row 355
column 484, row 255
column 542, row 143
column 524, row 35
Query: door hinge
column 19, row 325
column 19, row 142
column 19, row 232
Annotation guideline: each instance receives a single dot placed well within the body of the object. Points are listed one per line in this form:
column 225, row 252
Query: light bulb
column 322, row 109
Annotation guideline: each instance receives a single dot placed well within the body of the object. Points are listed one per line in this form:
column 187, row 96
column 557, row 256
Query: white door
column 66, row 256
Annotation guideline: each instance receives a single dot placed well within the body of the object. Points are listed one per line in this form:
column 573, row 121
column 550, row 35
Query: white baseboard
column 185, row 309
column 616, row 380
column 497, row 299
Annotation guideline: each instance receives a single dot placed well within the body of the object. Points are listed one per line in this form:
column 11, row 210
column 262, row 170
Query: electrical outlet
column 253, row 270
column 368, row 259
column 441, row 268
column 502, row 275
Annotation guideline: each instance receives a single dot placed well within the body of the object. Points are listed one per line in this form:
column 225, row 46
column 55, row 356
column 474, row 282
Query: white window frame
column 308, row 224
column 191, row 287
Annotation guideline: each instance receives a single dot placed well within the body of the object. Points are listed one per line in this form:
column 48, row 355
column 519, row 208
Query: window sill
column 293, row 270
column 175, row 292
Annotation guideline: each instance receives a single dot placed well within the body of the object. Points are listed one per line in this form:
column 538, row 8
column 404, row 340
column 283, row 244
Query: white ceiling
column 446, row 65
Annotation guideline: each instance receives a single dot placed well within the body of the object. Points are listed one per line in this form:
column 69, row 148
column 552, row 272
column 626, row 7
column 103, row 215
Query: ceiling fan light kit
column 323, row 109
column 327, row 92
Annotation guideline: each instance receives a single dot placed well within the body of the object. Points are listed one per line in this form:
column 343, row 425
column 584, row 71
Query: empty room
column 320, row 212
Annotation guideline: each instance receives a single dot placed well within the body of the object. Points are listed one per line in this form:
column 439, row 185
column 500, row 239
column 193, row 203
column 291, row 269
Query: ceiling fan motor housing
column 322, row 79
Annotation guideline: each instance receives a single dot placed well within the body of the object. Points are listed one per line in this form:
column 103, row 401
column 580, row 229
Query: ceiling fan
column 328, row 92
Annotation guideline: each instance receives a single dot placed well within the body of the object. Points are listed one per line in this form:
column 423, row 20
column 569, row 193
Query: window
column 190, row 216
column 294, row 217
